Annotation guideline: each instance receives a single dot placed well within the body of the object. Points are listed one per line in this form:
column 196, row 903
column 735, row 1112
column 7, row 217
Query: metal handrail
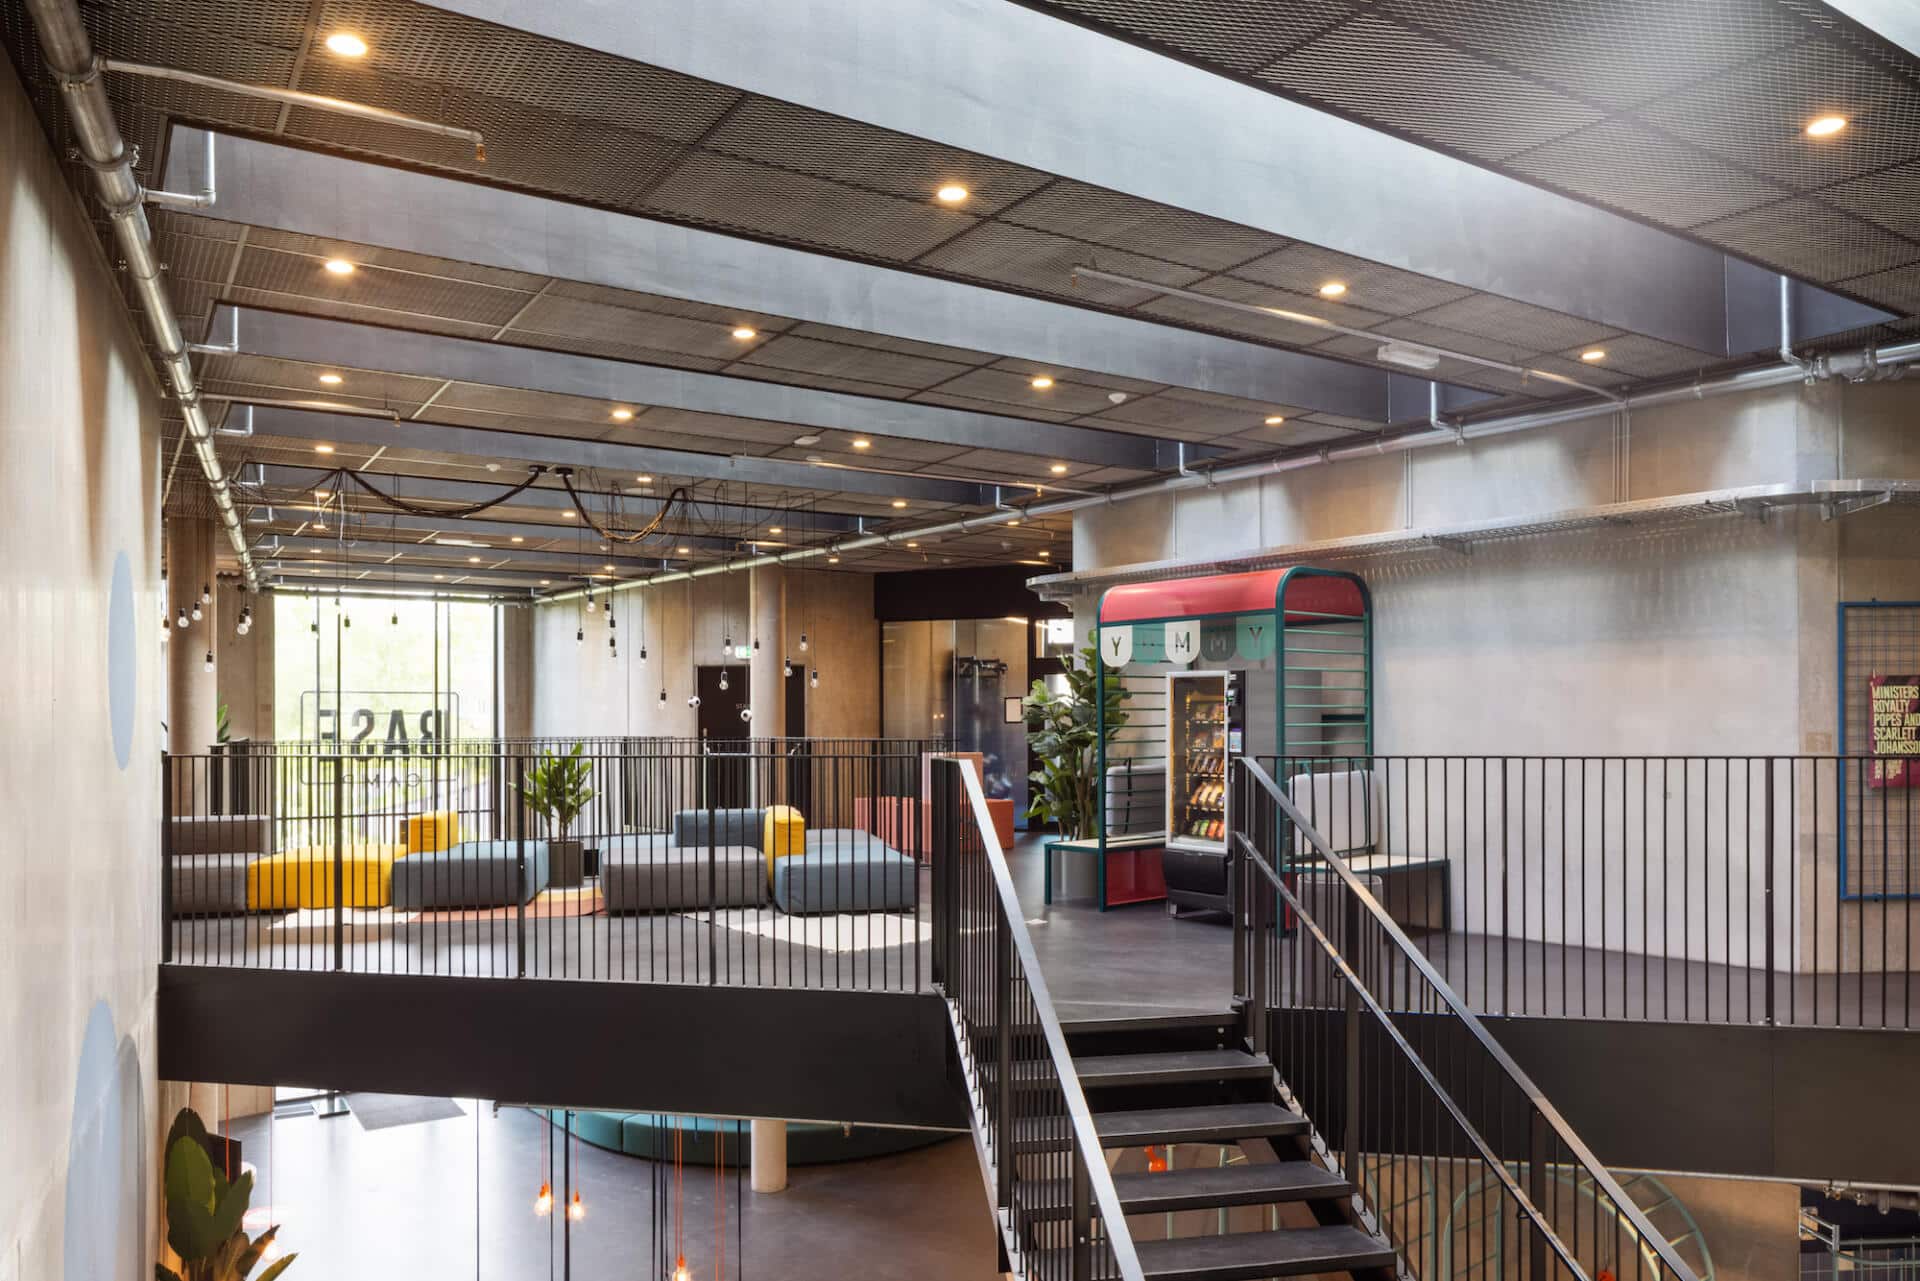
column 1455, row 1007
column 1106, row 1197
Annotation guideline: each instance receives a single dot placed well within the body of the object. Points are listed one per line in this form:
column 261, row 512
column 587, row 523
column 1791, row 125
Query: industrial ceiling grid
column 1688, row 116
column 744, row 165
column 280, row 270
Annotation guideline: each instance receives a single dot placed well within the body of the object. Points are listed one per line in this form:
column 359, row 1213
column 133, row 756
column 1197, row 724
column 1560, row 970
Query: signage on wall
column 1183, row 642
column 1893, row 704
column 1248, row 636
column 379, row 722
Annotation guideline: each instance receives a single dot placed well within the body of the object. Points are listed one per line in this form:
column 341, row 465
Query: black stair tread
column 1201, row 1189
column 1119, row 1020
column 1099, row 1070
column 1217, row 1123
column 1243, row 1256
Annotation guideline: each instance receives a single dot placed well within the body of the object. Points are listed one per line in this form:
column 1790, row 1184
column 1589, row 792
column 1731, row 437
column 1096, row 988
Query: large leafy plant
column 1064, row 731
column 204, row 1211
column 557, row 788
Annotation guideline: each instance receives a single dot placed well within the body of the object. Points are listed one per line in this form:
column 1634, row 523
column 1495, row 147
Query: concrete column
column 193, row 699
column 767, row 608
column 769, row 1155
column 243, row 665
column 516, row 671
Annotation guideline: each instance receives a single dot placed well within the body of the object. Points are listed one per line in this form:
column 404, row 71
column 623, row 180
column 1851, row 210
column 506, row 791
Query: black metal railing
column 1463, row 1164
column 1743, row 889
column 1051, row 1188
column 440, row 862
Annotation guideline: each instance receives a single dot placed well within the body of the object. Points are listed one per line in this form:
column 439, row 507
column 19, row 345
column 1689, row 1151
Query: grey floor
column 1134, row 956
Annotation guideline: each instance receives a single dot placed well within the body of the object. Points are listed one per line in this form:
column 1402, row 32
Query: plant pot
column 564, row 864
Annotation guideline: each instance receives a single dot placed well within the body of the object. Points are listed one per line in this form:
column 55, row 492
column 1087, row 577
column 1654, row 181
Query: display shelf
column 1200, row 723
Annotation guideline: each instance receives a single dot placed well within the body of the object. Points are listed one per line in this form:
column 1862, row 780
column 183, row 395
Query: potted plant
column 1064, row 731
column 556, row 788
column 204, row 1211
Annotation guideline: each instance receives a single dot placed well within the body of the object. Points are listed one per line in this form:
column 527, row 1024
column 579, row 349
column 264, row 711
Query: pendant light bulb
column 579, row 633
column 396, row 618
column 543, row 1204
column 180, row 619
column 814, row 679
column 576, row 1208
column 196, row 611
column 681, row 1271
column 166, row 631
column 723, row 679
column 346, row 620
column 208, row 665
column 726, row 646
column 756, row 644
column 663, row 693
column 612, row 622
column 643, row 653
column 613, row 644
column 206, row 593
column 803, row 642
column 589, row 604
column 786, row 667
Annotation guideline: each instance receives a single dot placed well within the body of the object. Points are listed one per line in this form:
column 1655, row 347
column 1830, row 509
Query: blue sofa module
column 470, row 874
column 845, row 870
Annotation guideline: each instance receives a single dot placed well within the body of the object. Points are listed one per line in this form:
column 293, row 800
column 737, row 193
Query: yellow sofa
column 303, row 877
column 425, row 833
column 783, row 834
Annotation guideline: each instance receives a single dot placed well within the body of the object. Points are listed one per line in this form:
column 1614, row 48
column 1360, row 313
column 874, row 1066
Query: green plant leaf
column 277, row 1267
column 232, row 1207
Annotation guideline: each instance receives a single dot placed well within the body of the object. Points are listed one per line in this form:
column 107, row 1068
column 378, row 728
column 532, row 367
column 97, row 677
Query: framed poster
column 1893, row 731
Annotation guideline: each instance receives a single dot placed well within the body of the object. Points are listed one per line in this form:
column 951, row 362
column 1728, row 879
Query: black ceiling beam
column 374, row 524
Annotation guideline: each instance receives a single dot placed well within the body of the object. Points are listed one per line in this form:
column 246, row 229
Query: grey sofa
column 651, row 873
column 207, row 872
column 469, row 874
column 844, row 870
column 719, row 827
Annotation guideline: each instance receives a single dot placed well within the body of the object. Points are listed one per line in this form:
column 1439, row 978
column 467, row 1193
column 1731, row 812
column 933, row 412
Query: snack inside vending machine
column 1206, row 728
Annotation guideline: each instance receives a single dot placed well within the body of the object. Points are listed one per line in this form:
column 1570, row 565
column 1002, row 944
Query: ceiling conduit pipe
column 69, row 54
column 1434, row 432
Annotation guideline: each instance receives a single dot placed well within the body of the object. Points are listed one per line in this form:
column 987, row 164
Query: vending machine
column 1206, row 728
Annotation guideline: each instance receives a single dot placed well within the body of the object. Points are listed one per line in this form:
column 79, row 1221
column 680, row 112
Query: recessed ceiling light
column 439, row 578
column 685, row 550
column 332, row 380
column 775, row 529
column 911, row 544
column 473, row 560
column 1332, row 289
column 1825, row 126
column 346, row 44
column 1058, row 469
column 863, row 444
column 1274, row 420
column 833, row 560
column 746, row 333
column 517, row 539
column 323, row 449
column 621, row 414
column 608, row 568
column 322, row 494
column 1594, row 355
column 899, row 502
column 1041, row 382
column 566, row 515
column 811, row 438
column 339, row 267
column 1012, row 523
column 644, row 480
column 952, row 194
column 546, row 582
column 318, row 524
column 493, row 466
column 1045, row 555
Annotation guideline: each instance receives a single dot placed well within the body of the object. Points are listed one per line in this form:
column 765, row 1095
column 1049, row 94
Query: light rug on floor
column 839, row 933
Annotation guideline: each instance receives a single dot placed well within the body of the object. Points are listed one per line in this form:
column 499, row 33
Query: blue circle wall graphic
column 123, row 663
column 105, row 1232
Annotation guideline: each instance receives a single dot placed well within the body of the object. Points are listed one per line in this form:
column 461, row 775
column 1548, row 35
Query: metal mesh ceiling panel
column 1689, row 115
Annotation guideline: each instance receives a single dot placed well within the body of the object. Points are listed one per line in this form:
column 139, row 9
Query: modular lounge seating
column 711, row 858
column 845, row 870
column 210, row 858
column 469, row 874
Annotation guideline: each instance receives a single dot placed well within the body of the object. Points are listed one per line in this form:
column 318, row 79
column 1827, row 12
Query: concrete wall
column 81, row 702
column 1716, row 637
column 244, row 664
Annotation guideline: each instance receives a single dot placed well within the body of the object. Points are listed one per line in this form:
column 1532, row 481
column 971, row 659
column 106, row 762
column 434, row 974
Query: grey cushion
column 650, row 874
column 222, row 834
column 210, row 884
column 849, row 840
column 469, row 874
column 864, row 878
column 727, row 827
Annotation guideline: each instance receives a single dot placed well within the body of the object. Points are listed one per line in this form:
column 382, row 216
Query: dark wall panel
column 993, row 591
column 869, row 1058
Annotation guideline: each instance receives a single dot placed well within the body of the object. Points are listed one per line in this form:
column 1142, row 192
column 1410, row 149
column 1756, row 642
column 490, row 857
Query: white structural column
column 193, row 697
column 769, row 1155
column 768, row 690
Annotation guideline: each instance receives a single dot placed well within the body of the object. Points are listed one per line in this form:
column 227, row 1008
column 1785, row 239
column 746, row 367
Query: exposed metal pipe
column 1420, row 437
column 299, row 98
column 70, row 56
column 1786, row 330
column 1317, row 322
column 208, row 194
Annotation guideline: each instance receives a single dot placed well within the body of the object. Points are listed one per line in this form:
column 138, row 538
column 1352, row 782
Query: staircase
column 1183, row 1079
